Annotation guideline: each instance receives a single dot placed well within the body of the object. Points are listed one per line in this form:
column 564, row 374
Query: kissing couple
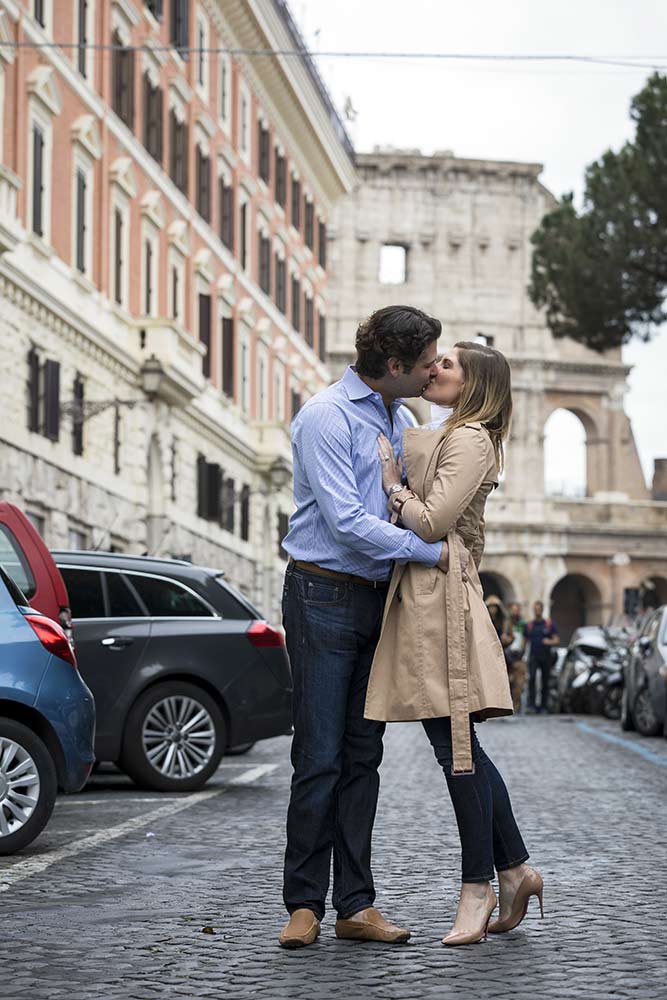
column 385, row 621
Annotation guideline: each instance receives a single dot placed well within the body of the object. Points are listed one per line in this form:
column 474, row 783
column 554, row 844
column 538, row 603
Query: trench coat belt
column 457, row 664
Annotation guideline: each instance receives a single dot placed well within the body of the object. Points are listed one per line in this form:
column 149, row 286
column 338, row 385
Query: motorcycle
column 579, row 672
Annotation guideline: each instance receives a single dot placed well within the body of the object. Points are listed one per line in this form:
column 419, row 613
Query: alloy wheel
column 19, row 786
column 179, row 737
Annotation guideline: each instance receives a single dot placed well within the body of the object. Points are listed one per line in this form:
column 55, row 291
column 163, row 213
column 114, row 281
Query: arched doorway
column 653, row 592
column 565, row 466
column 575, row 601
column 496, row 584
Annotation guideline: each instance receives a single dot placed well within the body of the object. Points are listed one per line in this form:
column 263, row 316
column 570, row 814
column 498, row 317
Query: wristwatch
column 396, row 488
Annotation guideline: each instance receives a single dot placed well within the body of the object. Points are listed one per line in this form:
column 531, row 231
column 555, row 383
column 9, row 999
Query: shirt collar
column 356, row 388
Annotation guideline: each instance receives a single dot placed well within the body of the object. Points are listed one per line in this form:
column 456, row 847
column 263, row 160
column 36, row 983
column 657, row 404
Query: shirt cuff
column 426, row 552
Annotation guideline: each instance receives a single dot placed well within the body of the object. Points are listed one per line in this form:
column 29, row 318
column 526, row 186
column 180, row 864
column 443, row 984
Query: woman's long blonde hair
column 486, row 396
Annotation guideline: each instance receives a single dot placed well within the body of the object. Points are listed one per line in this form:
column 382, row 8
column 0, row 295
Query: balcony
column 10, row 230
column 179, row 356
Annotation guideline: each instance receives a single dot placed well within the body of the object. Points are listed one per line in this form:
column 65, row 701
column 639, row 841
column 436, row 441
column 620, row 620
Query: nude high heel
column 480, row 933
column 531, row 885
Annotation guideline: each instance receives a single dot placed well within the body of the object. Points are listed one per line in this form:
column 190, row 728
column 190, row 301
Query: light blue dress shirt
column 341, row 520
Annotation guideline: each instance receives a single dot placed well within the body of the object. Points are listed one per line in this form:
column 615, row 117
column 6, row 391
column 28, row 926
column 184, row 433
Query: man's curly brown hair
column 402, row 332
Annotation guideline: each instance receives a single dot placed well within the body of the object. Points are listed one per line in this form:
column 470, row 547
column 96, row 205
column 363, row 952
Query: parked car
column 26, row 559
column 47, row 719
column 181, row 665
column 644, row 703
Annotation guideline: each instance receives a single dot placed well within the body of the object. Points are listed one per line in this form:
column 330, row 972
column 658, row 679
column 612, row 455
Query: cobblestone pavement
column 110, row 902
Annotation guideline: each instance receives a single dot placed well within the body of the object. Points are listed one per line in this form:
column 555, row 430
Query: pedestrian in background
column 543, row 638
column 501, row 623
column 517, row 666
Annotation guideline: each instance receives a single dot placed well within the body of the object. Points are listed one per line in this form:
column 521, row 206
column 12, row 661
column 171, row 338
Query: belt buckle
column 463, row 774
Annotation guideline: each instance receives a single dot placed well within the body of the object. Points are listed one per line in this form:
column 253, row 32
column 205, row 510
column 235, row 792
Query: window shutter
column 52, row 400
column 322, row 245
column 226, row 214
column 296, row 304
column 322, row 329
column 205, row 332
column 118, row 250
column 82, row 21
column 159, row 125
column 283, row 528
column 77, row 418
column 228, row 506
column 202, row 485
column 214, row 492
column 244, row 236
column 296, row 203
column 81, row 221
column 228, row 356
column 148, row 277
column 309, row 223
column 37, row 180
column 310, row 331
column 245, row 513
column 33, row 390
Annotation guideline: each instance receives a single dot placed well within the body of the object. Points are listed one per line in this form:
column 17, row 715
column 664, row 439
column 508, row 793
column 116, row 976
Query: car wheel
column 611, row 705
column 627, row 722
column 28, row 786
column 174, row 738
column 644, row 715
column 241, row 748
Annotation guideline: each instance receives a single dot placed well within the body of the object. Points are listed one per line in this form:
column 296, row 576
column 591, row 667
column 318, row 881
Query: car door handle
column 113, row 643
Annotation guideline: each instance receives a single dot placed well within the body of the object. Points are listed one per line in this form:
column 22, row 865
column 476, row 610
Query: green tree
column 602, row 272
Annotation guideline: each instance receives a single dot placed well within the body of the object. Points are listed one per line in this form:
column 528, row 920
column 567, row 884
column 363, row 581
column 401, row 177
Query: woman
column 439, row 658
column 502, row 624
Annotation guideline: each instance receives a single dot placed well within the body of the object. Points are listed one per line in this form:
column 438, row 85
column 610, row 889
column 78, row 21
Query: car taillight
column 261, row 634
column 52, row 637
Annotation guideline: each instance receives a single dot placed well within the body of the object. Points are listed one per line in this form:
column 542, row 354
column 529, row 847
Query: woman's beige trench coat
column 439, row 654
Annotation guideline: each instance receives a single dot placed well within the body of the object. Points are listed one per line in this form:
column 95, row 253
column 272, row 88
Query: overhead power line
column 624, row 60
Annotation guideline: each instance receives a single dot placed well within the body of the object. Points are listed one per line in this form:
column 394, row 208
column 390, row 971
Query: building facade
column 452, row 236
column 164, row 202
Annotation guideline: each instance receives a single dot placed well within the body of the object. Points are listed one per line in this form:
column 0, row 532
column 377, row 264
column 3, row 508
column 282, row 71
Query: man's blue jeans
column 332, row 629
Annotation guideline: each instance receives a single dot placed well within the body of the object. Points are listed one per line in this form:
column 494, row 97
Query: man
column 341, row 547
column 517, row 668
column 543, row 638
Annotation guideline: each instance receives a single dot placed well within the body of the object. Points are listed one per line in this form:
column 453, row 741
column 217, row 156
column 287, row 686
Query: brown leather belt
column 334, row 575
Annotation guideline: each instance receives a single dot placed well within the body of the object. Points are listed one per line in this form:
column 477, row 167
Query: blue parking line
column 630, row 744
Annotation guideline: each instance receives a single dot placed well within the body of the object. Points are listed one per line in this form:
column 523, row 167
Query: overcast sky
column 563, row 116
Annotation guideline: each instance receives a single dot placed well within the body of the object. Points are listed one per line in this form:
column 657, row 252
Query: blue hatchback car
column 47, row 719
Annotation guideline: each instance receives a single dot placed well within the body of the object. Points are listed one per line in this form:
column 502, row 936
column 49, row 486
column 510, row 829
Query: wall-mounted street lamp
column 82, row 409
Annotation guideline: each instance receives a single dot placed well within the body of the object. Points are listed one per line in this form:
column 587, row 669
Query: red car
column 26, row 559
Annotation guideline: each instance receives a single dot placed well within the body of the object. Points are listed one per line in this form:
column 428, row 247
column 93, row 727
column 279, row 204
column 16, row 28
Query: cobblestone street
column 111, row 901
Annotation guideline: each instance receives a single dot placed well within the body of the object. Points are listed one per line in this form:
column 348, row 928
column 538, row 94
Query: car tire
column 29, row 746
column 646, row 721
column 627, row 722
column 185, row 770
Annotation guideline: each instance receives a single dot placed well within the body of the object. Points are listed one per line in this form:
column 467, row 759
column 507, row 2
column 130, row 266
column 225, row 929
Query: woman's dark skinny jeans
column 489, row 835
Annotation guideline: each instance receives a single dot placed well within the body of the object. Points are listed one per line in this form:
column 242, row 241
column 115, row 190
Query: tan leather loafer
column 370, row 925
column 301, row 929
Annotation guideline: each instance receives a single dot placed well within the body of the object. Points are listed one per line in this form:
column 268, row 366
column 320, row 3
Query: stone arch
column 575, row 600
column 155, row 500
column 497, row 584
column 593, row 413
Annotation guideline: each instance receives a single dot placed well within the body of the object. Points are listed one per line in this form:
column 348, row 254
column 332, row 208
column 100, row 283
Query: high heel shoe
column 530, row 885
column 472, row 937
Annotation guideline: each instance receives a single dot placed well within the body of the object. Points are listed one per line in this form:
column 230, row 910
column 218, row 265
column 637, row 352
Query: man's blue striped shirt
column 341, row 520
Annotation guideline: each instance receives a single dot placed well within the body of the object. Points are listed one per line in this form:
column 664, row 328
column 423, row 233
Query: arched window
column 564, row 455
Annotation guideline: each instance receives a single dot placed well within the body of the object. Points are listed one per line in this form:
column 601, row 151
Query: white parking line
column 253, row 774
column 33, row 866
